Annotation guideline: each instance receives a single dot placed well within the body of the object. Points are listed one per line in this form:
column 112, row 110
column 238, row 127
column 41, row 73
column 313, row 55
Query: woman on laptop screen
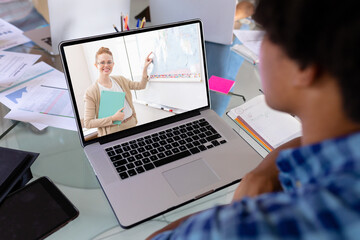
column 114, row 90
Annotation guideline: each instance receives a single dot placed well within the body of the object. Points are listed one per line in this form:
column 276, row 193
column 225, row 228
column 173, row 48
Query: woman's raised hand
column 148, row 60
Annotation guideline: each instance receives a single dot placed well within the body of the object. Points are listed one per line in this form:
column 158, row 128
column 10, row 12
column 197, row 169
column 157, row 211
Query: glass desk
column 62, row 158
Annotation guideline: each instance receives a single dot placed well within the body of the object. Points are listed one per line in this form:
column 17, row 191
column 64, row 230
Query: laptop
column 217, row 16
column 180, row 150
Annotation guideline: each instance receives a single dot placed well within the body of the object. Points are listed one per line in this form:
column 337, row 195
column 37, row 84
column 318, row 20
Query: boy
column 309, row 188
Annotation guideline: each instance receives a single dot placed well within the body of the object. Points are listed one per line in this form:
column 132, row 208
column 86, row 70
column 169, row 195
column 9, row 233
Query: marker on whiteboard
column 166, row 109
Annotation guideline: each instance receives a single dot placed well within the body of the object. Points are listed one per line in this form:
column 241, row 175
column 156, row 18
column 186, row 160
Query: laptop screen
column 126, row 80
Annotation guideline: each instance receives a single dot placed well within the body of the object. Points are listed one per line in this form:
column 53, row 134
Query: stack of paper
column 270, row 128
column 10, row 36
column 251, row 43
column 39, row 96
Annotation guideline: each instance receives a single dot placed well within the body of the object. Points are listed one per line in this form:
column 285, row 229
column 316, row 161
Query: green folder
column 110, row 103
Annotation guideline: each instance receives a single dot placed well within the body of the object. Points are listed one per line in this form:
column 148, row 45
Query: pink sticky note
column 219, row 84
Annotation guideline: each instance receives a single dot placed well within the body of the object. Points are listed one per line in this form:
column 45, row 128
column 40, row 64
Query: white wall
column 80, row 76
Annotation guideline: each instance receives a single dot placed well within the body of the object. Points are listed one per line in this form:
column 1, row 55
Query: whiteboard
column 177, row 78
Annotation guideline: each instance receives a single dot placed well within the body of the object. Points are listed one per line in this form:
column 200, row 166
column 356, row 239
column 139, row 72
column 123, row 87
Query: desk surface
column 63, row 160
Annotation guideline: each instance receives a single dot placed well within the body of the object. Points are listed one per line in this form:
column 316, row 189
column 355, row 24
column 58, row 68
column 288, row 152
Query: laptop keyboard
column 146, row 153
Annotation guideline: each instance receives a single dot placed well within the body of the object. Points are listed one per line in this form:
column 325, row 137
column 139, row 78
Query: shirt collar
column 314, row 163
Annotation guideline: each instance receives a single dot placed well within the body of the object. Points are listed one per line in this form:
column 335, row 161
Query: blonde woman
column 104, row 62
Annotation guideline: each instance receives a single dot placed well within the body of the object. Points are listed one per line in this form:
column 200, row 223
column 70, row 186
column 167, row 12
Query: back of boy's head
column 321, row 32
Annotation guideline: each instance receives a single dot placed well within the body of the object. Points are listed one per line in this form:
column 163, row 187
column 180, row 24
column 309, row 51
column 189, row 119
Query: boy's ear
column 306, row 76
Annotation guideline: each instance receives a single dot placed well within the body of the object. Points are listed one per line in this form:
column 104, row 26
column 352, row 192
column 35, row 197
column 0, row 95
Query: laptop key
column 126, row 148
column 213, row 137
column 130, row 166
column 215, row 143
column 172, row 158
column 175, row 150
column 119, row 163
column 134, row 146
column 119, row 150
column 140, row 169
column 156, row 145
column 146, row 160
column 182, row 148
column 139, row 156
column 194, row 150
column 141, row 149
column 202, row 148
column 115, row 158
column 121, row 169
column 222, row 141
column 154, row 158
column 133, row 152
column 123, row 175
column 111, row 153
column 138, row 163
column 168, row 153
column 189, row 145
column 108, row 149
column 161, row 155
column 132, row 172
column 154, row 151
column 146, row 154
column 126, row 154
column 202, row 141
column 161, row 149
column 149, row 166
column 131, row 159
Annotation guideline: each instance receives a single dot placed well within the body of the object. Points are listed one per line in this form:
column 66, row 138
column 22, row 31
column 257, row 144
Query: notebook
column 110, row 103
column 178, row 149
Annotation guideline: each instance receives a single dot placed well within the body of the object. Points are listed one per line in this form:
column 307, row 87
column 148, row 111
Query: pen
column 121, row 22
column 115, row 28
column 138, row 23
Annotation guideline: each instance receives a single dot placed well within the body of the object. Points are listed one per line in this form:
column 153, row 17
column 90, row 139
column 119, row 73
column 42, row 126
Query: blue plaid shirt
column 321, row 200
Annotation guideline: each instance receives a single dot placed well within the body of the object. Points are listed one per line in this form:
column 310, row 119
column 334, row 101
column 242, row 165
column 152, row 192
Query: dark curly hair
column 321, row 32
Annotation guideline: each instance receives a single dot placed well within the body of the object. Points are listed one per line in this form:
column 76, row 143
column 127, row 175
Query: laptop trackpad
column 190, row 177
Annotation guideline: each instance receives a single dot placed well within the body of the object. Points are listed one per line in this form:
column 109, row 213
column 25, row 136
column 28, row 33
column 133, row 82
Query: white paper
column 274, row 126
column 8, row 30
column 46, row 105
column 13, row 66
column 38, row 74
column 13, row 41
column 251, row 39
column 11, row 36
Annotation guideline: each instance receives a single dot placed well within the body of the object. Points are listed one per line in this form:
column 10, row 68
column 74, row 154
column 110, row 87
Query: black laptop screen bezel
column 146, row 126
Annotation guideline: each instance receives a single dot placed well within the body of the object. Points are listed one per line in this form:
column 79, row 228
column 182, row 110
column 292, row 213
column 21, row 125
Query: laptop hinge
column 149, row 126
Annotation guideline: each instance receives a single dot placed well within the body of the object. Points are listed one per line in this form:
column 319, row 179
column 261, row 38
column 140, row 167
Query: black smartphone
column 35, row 211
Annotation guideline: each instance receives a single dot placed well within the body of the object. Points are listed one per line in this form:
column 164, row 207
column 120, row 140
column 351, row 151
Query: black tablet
column 35, row 211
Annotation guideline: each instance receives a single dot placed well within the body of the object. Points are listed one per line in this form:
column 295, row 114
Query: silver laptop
column 180, row 150
column 217, row 16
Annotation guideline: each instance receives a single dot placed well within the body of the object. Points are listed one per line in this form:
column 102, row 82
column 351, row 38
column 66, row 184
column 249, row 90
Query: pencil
column 117, row 30
column 142, row 22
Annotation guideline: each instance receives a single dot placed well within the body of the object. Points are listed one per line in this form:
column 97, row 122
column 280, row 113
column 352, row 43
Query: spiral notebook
column 268, row 127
